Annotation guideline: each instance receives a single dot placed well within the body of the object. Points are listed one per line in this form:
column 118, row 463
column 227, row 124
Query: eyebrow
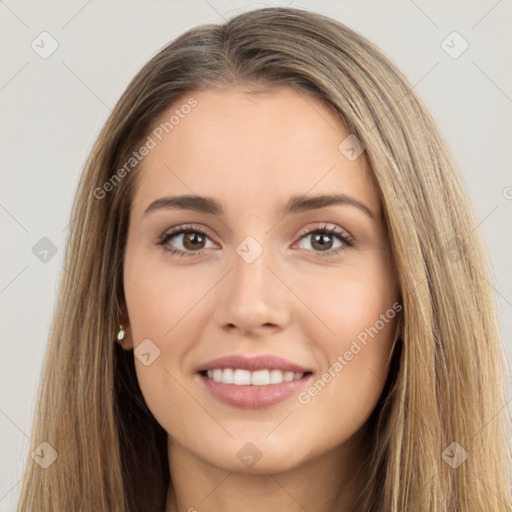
column 296, row 204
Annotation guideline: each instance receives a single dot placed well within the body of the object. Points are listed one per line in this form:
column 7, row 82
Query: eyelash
column 346, row 239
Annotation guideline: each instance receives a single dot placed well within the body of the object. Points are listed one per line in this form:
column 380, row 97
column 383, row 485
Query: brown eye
column 323, row 238
column 191, row 239
column 322, row 241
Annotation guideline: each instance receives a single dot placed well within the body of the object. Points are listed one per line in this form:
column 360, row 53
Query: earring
column 120, row 335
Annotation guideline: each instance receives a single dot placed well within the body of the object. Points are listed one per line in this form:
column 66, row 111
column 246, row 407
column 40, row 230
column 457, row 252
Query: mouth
column 252, row 383
column 242, row 377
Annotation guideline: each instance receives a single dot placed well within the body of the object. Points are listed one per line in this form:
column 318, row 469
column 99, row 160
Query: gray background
column 53, row 108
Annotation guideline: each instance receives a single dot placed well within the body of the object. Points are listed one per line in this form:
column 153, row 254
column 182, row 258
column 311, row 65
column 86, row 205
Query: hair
column 446, row 381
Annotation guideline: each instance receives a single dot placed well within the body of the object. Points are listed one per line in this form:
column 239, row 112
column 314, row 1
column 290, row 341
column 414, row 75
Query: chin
column 258, row 457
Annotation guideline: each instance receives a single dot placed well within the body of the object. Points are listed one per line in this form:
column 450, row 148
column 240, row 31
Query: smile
column 240, row 377
column 252, row 382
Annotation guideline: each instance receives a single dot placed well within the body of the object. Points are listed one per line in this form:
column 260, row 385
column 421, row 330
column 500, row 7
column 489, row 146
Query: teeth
column 288, row 376
column 260, row 378
column 227, row 376
column 242, row 377
column 248, row 378
column 276, row 377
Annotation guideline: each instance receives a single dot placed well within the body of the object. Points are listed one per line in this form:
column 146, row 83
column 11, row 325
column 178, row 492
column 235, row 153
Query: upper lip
column 254, row 363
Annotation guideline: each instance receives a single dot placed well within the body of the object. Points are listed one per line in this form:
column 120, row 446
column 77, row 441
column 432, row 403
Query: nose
column 252, row 299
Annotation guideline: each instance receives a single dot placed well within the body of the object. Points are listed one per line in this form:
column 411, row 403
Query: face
column 267, row 334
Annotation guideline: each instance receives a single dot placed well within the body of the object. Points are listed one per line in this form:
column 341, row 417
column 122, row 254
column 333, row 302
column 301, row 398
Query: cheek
column 352, row 301
column 362, row 312
column 159, row 299
column 164, row 306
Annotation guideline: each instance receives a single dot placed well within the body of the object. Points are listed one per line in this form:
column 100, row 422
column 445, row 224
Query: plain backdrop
column 53, row 108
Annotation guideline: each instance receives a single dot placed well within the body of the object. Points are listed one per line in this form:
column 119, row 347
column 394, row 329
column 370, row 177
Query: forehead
column 250, row 148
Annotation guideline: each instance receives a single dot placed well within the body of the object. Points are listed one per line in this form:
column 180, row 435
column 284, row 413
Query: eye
column 193, row 239
column 322, row 239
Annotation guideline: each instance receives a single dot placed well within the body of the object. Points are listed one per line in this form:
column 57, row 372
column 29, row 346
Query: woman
column 270, row 370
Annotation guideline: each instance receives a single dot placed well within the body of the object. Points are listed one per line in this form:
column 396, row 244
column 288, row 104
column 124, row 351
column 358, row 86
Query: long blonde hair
column 446, row 383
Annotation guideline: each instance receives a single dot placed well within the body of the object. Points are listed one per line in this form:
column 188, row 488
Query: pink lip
column 263, row 362
column 253, row 397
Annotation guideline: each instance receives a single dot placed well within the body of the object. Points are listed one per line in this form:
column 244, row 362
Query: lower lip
column 253, row 397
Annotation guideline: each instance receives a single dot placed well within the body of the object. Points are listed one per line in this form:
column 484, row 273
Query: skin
column 253, row 152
